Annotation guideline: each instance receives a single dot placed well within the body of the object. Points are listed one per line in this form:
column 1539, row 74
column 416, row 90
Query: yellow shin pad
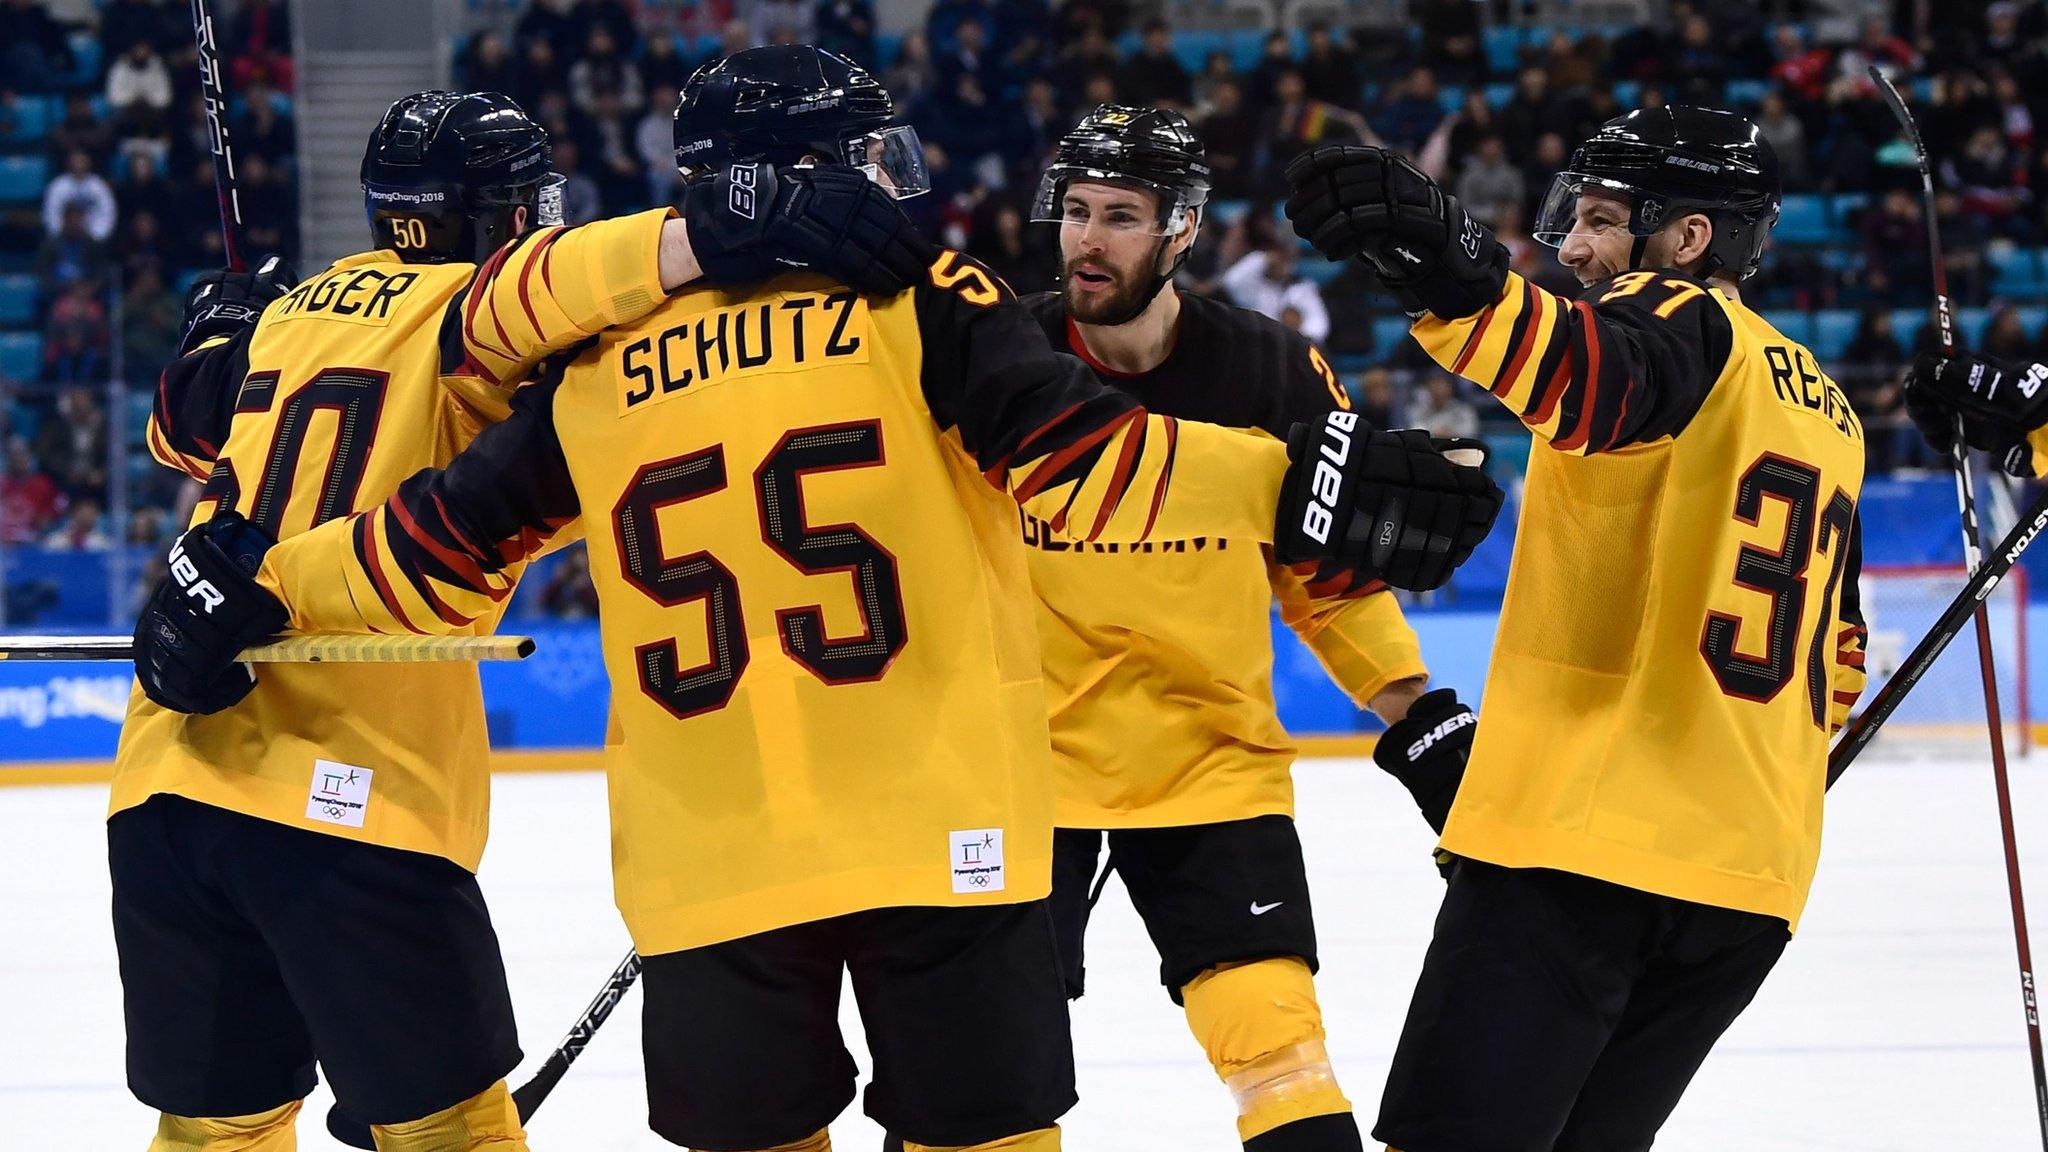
column 259, row 1132
column 486, row 1121
column 1042, row 1140
column 1261, row 1027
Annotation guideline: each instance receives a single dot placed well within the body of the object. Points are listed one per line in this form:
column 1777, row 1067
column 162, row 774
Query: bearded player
column 293, row 864
column 1158, row 659
column 1640, row 817
column 834, row 757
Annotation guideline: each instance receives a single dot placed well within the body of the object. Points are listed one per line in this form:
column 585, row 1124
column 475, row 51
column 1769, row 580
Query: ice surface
column 1893, row 1023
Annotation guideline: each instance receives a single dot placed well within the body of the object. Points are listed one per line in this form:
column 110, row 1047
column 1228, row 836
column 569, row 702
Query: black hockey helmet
column 1669, row 162
column 1151, row 148
column 785, row 102
column 445, row 170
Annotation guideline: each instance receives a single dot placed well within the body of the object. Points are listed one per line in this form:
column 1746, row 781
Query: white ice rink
column 1893, row 1022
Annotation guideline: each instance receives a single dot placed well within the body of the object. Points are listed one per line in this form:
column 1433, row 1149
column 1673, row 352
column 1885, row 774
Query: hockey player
column 1640, row 818
column 833, row 753
column 1158, row 658
column 292, row 869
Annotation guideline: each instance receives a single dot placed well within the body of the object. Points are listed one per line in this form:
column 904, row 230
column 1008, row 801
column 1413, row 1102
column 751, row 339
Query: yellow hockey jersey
column 814, row 604
column 359, row 377
column 1159, row 657
column 1680, row 633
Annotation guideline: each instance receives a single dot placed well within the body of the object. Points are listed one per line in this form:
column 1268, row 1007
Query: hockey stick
column 214, row 89
column 1966, row 501
column 335, row 649
column 1974, row 592
column 527, row 1096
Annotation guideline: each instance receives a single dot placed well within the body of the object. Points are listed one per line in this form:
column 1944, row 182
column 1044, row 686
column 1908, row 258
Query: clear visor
column 547, row 208
column 893, row 158
column 1088, row 197
column 1604, row 200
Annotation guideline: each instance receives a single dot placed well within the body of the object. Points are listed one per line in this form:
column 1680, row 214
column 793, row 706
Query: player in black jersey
column 1158, row 663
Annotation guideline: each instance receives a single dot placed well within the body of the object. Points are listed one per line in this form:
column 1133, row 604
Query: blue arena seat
column 86, row 49
column 1746, row 93
column 1227, row 211
column 1498, row 95
column 1503, row 48
column 1795, row 324
column 21, row 355
column 1833, row 330
column 28, row 120
column 1389, row 335
column 18, row 297
column 2032, row 317
column 1906, row 325
column 2016, row 272
column 1803, row 218
column 1970, row 326
column 1628, row 93
column 22, row 177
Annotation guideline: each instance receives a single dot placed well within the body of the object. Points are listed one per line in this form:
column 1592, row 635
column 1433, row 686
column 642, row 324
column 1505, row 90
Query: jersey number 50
column 1781, row 574
column 812, row 549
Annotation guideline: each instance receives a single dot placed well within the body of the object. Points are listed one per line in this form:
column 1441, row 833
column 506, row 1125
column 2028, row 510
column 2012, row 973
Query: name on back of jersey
column 364, row 296
column 1798, row 383
column 790, row 332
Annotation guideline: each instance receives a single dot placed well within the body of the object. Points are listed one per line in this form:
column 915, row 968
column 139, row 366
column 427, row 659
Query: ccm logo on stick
column 187, row 576
column 1328, row 481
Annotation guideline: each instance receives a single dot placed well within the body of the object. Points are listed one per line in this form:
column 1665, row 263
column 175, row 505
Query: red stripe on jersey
column 366, row 547
column 1120, row 480
column 479, row 285
column 526, row 277
column 1165, row 476
column 1049, row 470
column 462, row 565
column 1472, row 342
column 1532, row 319
column 1579, row 435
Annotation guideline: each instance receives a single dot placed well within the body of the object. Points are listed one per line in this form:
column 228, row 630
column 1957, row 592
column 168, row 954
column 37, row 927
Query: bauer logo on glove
column 1402, row 507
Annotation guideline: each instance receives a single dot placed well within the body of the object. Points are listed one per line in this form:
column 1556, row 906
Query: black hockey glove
column 1426, row 751
column 1389, row 504
column 1999, row 401
column 1354, row 200
column 752, row 221
column 222, row 303
column 201, row 616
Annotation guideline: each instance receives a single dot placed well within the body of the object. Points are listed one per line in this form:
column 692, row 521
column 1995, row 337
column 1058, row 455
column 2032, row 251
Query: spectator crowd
column 991, row 85
column 127, row 215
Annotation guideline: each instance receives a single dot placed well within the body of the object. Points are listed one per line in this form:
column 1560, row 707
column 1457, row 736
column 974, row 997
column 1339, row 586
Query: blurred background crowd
column 107, row 205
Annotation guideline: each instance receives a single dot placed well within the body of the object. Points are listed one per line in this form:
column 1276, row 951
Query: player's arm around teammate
column 1639, row 822
column 390, row 360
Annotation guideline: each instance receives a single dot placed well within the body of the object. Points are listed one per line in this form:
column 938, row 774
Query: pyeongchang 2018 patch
column 977, row 859
column 339, row 794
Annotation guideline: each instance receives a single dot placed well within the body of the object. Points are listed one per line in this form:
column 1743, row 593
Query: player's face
column 1109, row 248
column 1600, row 244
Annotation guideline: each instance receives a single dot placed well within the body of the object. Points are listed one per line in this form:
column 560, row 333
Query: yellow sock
column 1042, row 1140
column 1263, row 1032
column 259, row 1132
column 487, row 1120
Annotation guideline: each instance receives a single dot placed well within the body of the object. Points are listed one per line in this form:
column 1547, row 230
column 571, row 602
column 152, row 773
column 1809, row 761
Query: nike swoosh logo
column 1259, row 909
